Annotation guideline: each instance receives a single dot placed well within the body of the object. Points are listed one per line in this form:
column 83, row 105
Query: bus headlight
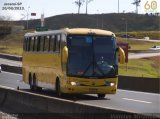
column 75, row 84
column 110, row 84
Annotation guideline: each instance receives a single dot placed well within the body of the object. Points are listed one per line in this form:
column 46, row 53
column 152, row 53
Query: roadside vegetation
column 146, row 67
column 13, row 43
column 154, row 35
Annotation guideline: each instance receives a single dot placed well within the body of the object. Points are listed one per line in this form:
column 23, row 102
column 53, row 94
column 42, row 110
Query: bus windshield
column 92, row 56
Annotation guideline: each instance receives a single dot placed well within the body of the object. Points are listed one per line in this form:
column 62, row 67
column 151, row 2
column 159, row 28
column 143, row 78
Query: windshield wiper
column 87, row 69
column 101, row 71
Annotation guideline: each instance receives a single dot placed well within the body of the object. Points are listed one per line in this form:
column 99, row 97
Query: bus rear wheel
column 35, row 85
column 30, row 81
column 101, row 95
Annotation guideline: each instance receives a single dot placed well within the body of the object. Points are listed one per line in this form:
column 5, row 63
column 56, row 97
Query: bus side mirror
column 65, row 55
column 121, row 55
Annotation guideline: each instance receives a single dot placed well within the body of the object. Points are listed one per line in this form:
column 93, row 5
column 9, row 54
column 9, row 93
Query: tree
column 79, row 3
column 87, row 2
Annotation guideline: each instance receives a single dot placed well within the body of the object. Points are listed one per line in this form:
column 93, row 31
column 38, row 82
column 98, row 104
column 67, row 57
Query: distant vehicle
column 0, row 69
column 146, row 38
column 75, row 61
column 126, row 36
column 155, row 48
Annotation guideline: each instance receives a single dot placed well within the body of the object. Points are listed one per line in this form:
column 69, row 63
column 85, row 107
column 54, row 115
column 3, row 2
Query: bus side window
column 52, row 39
column 58, row 37
column 46, row 44
column 63, row 41
column 35, row 43
column 38, row 43
column 49, row 45
column 25, row 44
column 32, row 44
column 27, row 40
column 42, row 43
column 29, row 44
column 43, row 40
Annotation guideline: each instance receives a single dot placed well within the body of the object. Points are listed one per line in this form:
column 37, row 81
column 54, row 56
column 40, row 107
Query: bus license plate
column 92, row 89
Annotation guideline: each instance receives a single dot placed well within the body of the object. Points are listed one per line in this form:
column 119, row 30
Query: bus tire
column 30, row 81
column 58, row 89
column 34, row 83
column 101, row 95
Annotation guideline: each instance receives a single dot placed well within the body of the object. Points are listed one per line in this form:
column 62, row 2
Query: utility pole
column 136, row 2
column 118, row 6
column 27, row 11
column 87, row 2
column 97, row 17
column 102, row 21
column 42, row 20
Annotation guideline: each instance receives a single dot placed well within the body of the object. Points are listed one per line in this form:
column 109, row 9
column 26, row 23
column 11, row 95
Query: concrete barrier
column 25, row 102
column 11, row 57
column 143, row 84
column 12, row 69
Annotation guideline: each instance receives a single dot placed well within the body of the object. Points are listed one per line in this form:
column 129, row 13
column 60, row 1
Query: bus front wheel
column 58, row 89
column 101, row 95
column 34, row 83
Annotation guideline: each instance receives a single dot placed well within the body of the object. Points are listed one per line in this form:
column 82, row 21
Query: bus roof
column 84, row 31
column 80, row 31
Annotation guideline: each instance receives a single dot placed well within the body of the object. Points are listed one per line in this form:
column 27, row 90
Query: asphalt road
column 156, row 41
column 138, row 102
column 142, row 55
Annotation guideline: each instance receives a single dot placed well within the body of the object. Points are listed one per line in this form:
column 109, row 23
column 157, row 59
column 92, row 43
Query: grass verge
column 155, row 35
column 147, row 67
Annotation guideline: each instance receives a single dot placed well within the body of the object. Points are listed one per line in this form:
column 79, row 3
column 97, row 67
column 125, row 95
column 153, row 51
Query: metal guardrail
column 11, row 57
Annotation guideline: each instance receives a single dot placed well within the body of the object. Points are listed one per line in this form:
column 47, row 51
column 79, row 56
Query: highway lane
column 8, row 116
column 156, row 41
column 142, row 55
column 138, row 102
column 10, row 62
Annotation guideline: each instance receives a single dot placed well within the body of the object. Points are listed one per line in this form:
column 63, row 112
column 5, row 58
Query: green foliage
column 141, row 34
column 139, row 68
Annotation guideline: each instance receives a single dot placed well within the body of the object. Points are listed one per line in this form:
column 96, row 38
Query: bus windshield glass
column 92, row 56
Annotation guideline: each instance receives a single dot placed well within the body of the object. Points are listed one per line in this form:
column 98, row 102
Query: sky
column 57, row 7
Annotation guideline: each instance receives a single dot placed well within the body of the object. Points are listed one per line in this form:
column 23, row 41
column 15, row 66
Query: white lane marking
column 136, row 100
column 11, row 73
column 7, row 87
column 138, row 92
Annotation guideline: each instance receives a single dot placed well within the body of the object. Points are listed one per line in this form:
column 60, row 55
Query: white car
column 155, row 48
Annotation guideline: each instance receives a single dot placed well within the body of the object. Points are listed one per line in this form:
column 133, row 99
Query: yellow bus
column 72, row 61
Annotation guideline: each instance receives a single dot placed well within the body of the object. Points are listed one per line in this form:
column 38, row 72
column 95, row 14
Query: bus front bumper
column 89, row 89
